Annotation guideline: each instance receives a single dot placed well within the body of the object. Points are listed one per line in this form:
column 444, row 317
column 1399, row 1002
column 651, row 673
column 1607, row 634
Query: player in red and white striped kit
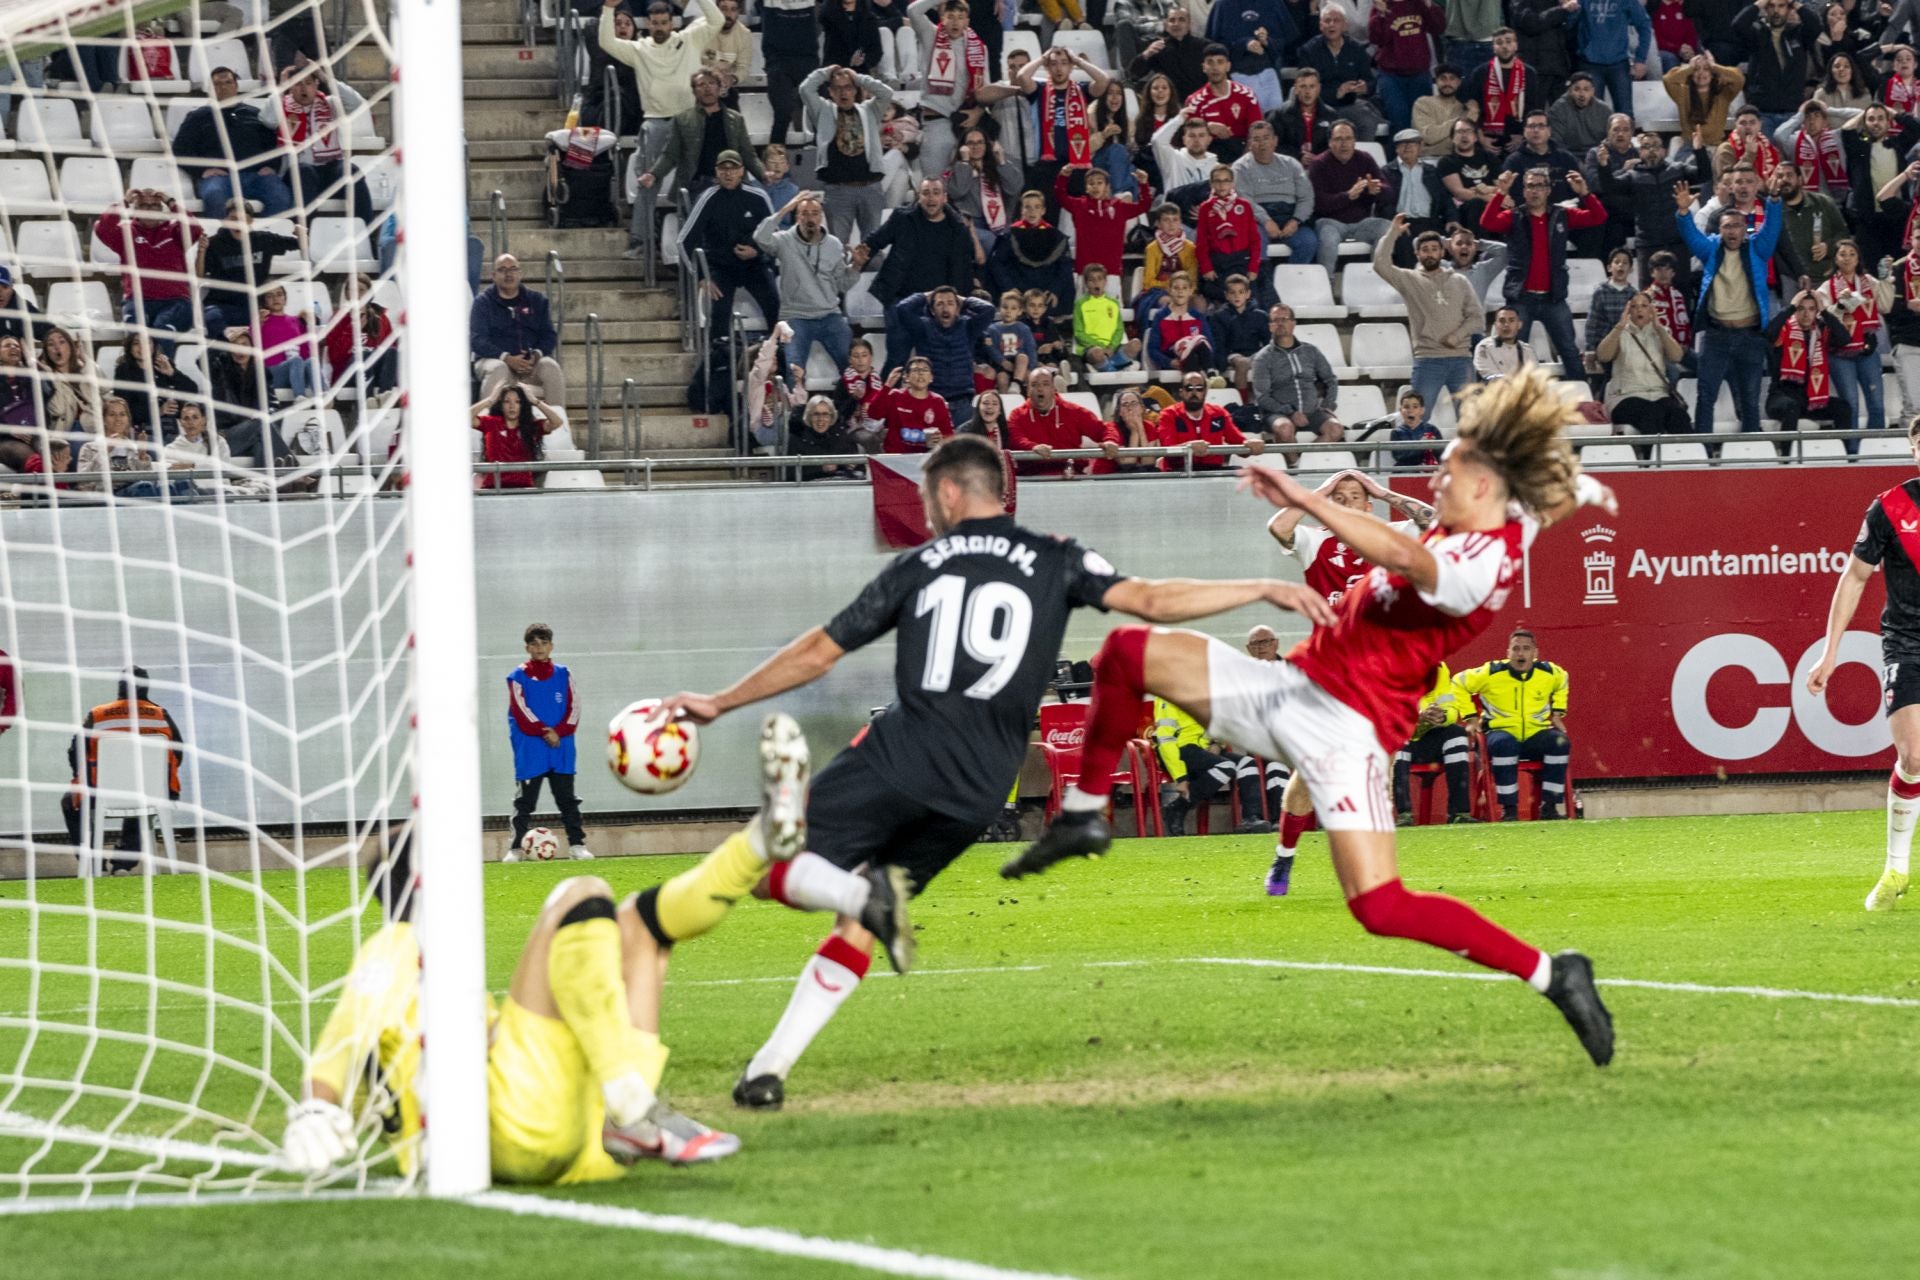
column 1347, row 696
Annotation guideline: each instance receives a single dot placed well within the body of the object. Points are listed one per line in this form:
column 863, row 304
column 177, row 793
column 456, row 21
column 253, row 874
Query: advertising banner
column 1688, row 624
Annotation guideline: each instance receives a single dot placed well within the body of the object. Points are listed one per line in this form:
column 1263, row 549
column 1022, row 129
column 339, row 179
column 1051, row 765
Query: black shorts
column 1900, row 685
column 855, row 816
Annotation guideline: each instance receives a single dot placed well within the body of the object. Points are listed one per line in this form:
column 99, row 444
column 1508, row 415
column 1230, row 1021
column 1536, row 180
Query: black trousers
column 734, row 276
column 1224, row 265
column 1665, row 416
column 133, row 834
column 526, row 795
column 1445, row 746
column 1787, row 403
column 784, row 74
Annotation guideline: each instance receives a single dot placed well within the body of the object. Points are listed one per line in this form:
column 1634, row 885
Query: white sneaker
column 511, row 855
column 784, row 770
column 581, row 853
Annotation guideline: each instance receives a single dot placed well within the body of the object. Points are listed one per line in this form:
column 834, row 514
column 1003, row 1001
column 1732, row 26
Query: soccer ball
column 648, row 753
column 540, row 844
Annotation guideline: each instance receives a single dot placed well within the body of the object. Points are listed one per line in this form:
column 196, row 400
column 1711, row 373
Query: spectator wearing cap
column 155, row 238
column 1420, row 194
column 722, row 222
column 1402, row 33
column 1046, row 423
column 17, row 313
column 1577, row 118
column 699, row 136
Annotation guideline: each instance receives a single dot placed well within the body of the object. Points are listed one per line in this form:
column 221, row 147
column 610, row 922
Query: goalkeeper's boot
column 1280, row 874
column 684, row 1140
column 1572, row 990
column 1891, row 888
column 1074, row 834
column 885, row 916
column 783, row 787
column 761, row 1093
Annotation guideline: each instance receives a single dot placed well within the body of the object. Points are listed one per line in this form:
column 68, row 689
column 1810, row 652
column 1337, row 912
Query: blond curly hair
column 1516, row 427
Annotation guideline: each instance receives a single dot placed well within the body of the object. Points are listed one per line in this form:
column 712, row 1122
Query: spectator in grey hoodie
column 814, row 276
column 1577, row 117
column 1278, row 187
column 1294, row 385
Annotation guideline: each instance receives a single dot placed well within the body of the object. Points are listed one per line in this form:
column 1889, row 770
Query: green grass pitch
column 1047, row 1109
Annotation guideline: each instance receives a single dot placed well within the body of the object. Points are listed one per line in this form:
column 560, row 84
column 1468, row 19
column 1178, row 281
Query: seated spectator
column 512, row 338
column 1169, row 252
column 858, row 394
column 1100, row 342
column 821, row 434
column 1177, row 336
column 916, row 419
column 989, row 419
column 1411, row 424
column 111, row 460
column 1436, row 114
column 1100, row 218
column 239, row 143
column 1134, row 422
column 1033, row 254
column 814, row 275
column 849, row 164
column 1502, row 352
column 17, row 312
column 596, row 111
column 1351, row 196
column 1419, row 194
column 1226, row 237
column 1052, row 332
column 1177, row 53
column 70, row 386
column 1281, row 195
column 1192, row 424
column 1506, row 90
column 1704, row 91
column 946, row 329
column 1305, row 124
column 234, row 261
column 1468, row 172
column 1346, row 71
column 1437, row 739
column 310, row 114
column 1801, row 342
column 1111, row 153
column 699, row 136
column 1523, row 712
column 287, row 346
column 984, row 186
column 510, row 432
column 1046, row 423
column 1011, row 352
column 155, row 240
column 242, row 402
column 1293, row 384
column 1158, row 106
column 1402, row 33
column 926, row 247
column 196, row 447
column 1241, row 329
column 21, row 440
column 1577, row 118
column 1229, row 108
column 1639, row 352
column 359, row 340
column 154, row 389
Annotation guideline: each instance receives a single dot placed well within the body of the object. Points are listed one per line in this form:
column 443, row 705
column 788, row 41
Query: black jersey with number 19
column 1890, row 535
column 980, row 615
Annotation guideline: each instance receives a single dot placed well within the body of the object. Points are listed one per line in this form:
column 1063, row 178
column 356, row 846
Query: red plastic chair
column 1487, row 798
column 1063, row 732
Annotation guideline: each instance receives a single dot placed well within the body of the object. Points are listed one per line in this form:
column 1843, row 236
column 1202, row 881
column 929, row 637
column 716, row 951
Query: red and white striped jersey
column 1389, row 638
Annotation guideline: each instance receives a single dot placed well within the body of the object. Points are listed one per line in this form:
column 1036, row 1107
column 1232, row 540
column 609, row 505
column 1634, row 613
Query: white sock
column 1542, row 974
column 823, row 984
column 1901, row 812
column 811, row 883
column 1078, row 801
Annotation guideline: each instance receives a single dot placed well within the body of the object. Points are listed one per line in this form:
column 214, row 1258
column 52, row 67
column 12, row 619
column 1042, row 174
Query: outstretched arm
column 801, row 662
column 1846, row 599
column 1183, row 599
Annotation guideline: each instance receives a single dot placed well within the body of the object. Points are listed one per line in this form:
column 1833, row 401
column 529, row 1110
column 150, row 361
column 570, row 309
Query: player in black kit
column 979, row 613
column 1889, row 536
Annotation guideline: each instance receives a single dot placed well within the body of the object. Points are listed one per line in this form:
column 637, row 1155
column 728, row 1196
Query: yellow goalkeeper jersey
column 1516, row 704
column 1447, row 698
column 1173, row 729
column 370, row 1050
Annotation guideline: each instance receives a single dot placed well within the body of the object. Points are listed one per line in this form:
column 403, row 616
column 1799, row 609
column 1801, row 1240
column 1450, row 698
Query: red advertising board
column 1687, row 624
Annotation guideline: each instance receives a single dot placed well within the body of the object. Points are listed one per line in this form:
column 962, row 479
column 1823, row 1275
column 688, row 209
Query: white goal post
column 256, row 492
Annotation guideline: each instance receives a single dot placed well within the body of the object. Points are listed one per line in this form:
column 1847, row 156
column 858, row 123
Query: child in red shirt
column 916, row 419
column 1100, row 218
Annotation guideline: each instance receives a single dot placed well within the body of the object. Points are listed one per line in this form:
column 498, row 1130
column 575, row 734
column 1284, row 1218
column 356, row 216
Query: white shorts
column 1271, row 709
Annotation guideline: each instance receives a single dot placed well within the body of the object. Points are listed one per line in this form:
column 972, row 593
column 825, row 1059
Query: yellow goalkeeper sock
column 697, row 899
column 589, row 988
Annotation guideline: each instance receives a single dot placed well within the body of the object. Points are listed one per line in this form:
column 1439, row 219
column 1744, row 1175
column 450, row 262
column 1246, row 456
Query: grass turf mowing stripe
column 893, row 1262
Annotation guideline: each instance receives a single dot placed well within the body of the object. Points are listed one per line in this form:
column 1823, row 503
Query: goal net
column 235, row 587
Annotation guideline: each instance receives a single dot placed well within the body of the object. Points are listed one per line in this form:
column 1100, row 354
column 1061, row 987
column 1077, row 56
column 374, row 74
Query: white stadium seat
column 1383, row 350
column 1583, row 277
column 1359, row 404
column 1890, row 446
column 1820, row 448
column 128, row 53
column 85, row 305
column 1306, row 288
column 49, row 122
column 1687, row 453
column 89, row 184
column 26, row 189
column 1653, row 108
column 1754, row 451
column 204, row 55
column 48, row 248
column 123, row 126
column 339, row 244
column 1091, row 45
column 1608, row 455
column 1330, row 460
column 161, row 175
column 1327, row 339
column 1367, row 295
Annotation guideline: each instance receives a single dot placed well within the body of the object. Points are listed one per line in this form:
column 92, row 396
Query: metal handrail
column 530, row 23
column 596, row 375
column 497, row 223
column 703, row 328
column 565, row 80
column 613, row 109
column 553, row 281
column 633, row 430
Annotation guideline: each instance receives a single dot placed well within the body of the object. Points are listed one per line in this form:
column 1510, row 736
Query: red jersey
column 1380, row 655
column 502, row 443
column 1225, row 226
column 1237, row 110
column 909, row 420
column 1066, row 426
column 1332, row 568
column 1100, row 226
column 1176, row 429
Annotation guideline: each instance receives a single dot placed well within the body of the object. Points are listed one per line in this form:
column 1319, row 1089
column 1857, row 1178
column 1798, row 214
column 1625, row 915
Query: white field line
column 15, row 1125
column 850, row 1253
column 187, row 1200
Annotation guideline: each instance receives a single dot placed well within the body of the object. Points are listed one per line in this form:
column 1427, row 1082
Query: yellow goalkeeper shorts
column 544, row 1109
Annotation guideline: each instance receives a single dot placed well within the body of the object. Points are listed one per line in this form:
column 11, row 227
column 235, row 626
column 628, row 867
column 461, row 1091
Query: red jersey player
column 1888, row 537
column 1347, row 695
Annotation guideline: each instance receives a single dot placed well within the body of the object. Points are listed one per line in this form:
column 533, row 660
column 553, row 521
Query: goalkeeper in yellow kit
column 574, row 1055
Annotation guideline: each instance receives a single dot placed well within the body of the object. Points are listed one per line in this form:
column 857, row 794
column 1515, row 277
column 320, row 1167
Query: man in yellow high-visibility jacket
column 1437, row 739
column 1524, row 712
column 1201, row 773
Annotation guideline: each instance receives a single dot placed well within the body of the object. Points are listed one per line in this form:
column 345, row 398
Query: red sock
column 777, row 884
column 1292, row 827
column 1902, row 788
column 842, row 952
column 1119, row 683
column 1390, row 911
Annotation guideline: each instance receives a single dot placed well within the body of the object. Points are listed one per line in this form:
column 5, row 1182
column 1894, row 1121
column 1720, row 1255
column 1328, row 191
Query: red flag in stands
column 898, row 516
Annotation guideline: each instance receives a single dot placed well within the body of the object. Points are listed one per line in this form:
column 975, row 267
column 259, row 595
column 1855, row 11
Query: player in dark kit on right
column 1889, row 536
column 979, row 613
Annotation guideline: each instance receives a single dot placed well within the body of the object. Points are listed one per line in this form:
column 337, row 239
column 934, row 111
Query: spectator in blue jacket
column 542, row 715
column 1733, row 305
column 946, row 329
column 1256, row 33
column 511, row 336
column 1614, row 40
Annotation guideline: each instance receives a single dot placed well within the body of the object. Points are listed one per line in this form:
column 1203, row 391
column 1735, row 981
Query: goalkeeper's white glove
column 319, row 1135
